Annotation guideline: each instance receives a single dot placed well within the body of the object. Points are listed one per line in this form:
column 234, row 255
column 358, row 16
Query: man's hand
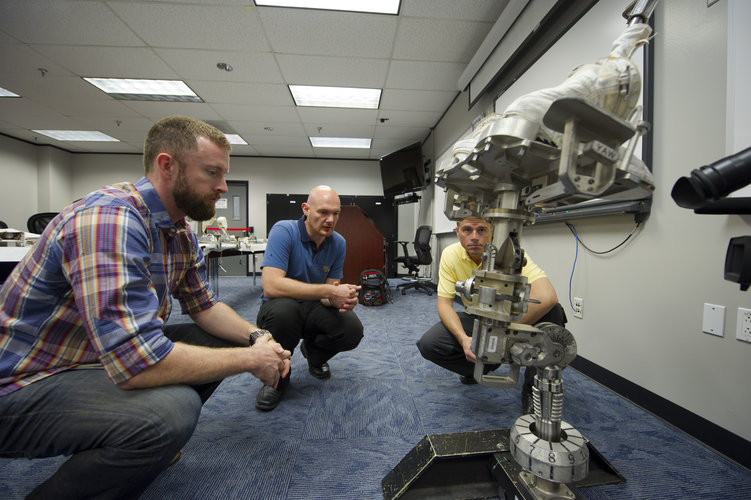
column 467, row 346
column 344, row 297
column 271, row 360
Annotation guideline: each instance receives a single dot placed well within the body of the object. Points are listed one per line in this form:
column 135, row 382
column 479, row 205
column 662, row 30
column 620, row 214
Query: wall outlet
column 713, row 321
column 578, row 305
column 743, row 326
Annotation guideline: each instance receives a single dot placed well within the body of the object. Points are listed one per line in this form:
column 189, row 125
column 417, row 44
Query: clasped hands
column 273, row 360
column 345, row 296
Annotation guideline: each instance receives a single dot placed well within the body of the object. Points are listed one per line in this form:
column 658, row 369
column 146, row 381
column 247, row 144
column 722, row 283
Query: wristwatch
column 257, row 333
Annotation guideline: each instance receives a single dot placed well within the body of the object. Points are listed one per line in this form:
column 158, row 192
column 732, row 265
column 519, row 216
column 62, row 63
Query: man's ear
column 166, row 165
column 305, row 208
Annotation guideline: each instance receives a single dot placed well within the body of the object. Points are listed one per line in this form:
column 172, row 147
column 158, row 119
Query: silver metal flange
column 564, row 461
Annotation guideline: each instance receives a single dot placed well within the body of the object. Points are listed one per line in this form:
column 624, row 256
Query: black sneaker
column 467, row 379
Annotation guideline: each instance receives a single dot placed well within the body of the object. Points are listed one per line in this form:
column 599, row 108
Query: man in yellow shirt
column 449, row 342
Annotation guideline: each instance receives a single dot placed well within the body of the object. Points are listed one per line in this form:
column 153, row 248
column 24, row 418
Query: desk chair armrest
column 404, row 246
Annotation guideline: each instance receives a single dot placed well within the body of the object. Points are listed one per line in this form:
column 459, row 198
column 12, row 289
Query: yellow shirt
column 456, row 265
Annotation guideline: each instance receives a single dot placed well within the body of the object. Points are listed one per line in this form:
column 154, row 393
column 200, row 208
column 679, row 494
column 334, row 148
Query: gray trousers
column 118, row 441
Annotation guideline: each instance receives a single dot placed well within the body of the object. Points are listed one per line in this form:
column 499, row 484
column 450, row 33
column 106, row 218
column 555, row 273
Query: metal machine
column 552, row 147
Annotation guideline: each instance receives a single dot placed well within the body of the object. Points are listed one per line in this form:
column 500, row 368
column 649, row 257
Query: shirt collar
column 305, row 237
column 156, row 208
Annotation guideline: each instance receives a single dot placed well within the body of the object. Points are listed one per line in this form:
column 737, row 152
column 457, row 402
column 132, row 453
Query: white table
column 214, row 252
column 13, row 254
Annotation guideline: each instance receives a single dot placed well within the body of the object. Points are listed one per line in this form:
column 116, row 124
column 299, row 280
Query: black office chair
column 423, row 257
column 38, row 222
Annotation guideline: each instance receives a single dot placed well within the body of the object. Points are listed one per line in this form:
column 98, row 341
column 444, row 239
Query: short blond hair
column 177, row 135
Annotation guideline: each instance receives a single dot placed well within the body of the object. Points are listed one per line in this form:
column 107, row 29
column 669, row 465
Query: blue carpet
column 336, row 439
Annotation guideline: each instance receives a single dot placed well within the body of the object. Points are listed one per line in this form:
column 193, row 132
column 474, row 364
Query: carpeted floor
column 337, row 438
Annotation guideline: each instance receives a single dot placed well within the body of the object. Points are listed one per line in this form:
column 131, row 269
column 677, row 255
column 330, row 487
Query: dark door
column 234, row 206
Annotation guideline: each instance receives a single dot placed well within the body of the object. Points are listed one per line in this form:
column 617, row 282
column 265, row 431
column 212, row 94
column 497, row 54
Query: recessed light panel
column 374, row 6
column 7, row 93
column 335, row 97
column 133, row 89
column 235, row 139
column 77, row 135
column 340, row 142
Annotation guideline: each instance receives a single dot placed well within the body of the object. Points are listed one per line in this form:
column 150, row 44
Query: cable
column 576, row 255
column 573, row 267
column 573, row 230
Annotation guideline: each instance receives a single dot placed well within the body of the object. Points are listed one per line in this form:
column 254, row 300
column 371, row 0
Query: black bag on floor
column 375, row 289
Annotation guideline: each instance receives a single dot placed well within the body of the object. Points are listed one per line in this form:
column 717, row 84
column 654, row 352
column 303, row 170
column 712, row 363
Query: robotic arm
column 553, row 147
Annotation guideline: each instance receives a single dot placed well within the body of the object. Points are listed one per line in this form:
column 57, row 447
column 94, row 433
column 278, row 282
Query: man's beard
column 189, row 202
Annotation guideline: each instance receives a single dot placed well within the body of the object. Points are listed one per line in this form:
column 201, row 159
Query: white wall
column 264, row 175
column 643, row 303
column 54, row 181
column 18, row 169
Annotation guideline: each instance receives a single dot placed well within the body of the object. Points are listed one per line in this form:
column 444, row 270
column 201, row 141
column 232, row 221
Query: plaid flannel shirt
column 97, row 287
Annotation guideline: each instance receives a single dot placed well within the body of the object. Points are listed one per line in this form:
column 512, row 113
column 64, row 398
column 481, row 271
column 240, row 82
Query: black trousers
column 324, row 330
column 439, row 345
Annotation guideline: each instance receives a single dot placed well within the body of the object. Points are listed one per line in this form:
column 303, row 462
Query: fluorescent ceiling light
column 235, row 139
column 375, row 6
column 77, row 135
column 335, row 97
column 132, row 89
column 7, row 93
column 340, row 142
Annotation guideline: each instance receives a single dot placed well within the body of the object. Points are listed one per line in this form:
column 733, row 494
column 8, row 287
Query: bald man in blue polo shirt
column 303, row 297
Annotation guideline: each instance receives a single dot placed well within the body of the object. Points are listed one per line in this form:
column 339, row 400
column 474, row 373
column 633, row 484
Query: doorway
column 234, row 206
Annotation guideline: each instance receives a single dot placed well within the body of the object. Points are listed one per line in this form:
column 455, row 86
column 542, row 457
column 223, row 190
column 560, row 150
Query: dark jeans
column 441, row 347
column 118, row 441
column 324, row 330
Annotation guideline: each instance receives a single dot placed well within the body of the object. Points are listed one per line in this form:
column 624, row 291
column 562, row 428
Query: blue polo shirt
column 290, row 248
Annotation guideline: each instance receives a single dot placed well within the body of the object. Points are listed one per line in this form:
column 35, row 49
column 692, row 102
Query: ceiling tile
column 242, row 93
column 22, row 60
column 410, row 118
column 247, row 66
column 99, row 108
column 345, row 130
column 64, row 22
column 109, row 62
column 157, row 110
column 324, row 116
column 303, row 31
column 424, row 75
column 199, row 26
column 259, row 128
column 469, row 10
column 439, row 39
column 257, row 113
column 333, row 71
column 62, row 87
